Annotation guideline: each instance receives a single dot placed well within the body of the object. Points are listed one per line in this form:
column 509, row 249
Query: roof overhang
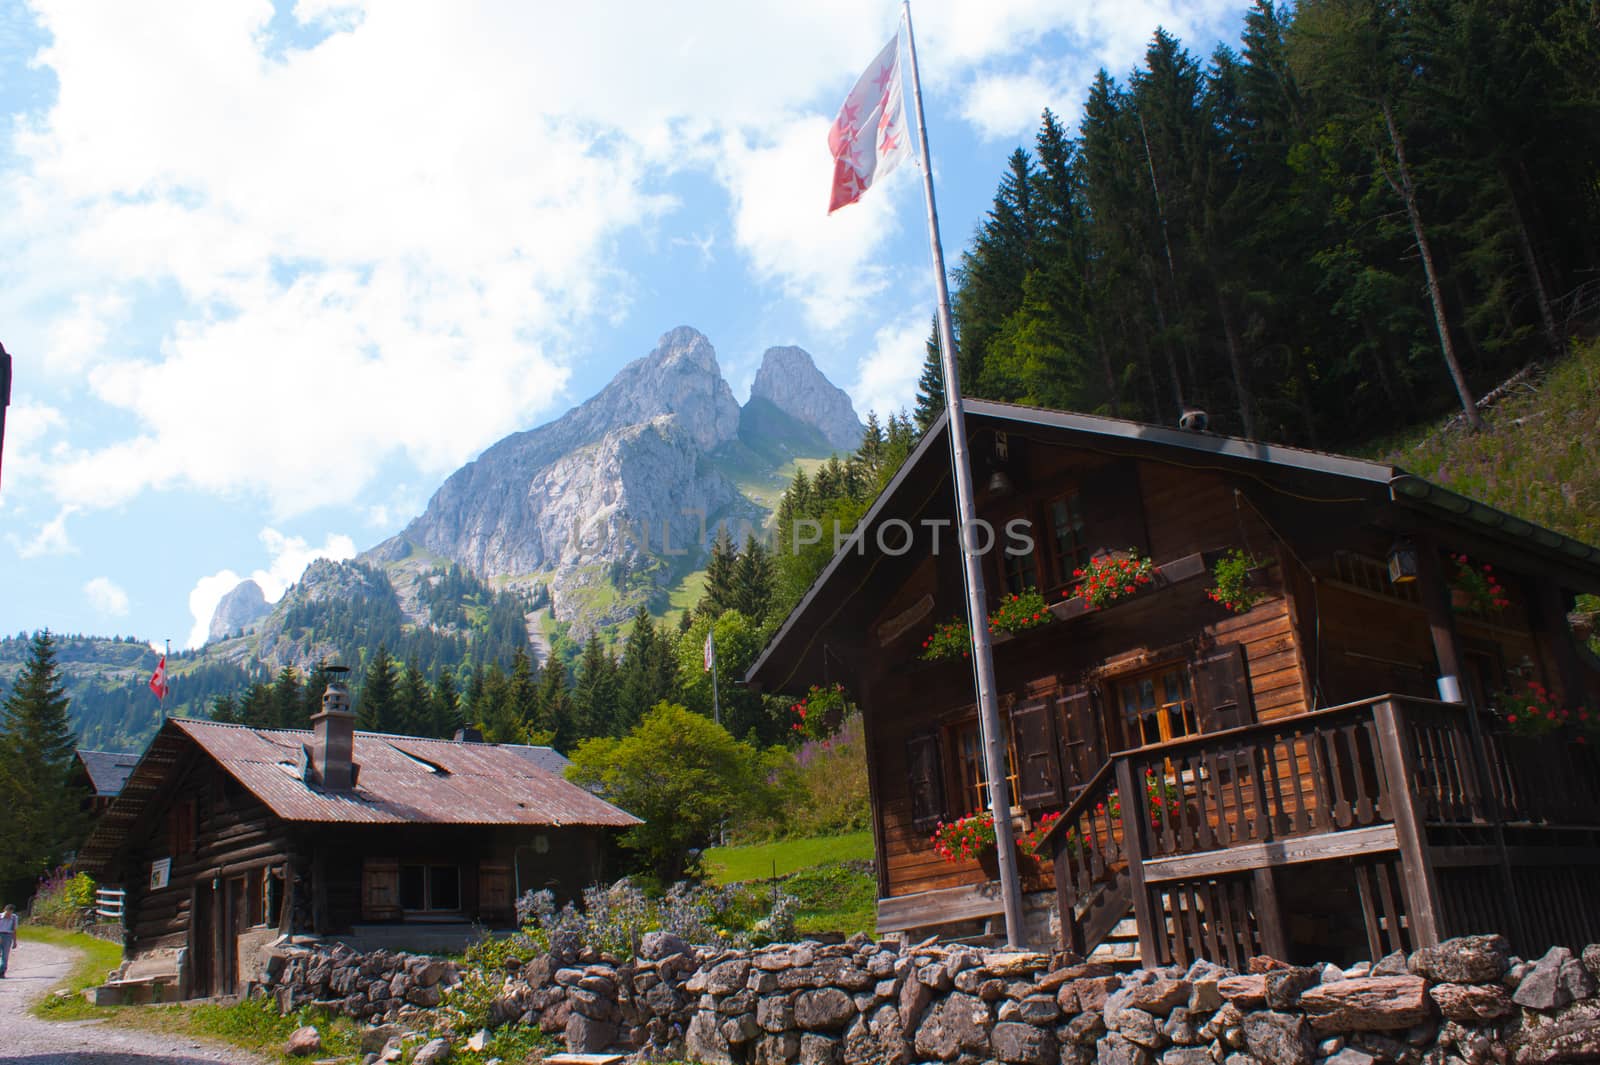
column 1320, row 476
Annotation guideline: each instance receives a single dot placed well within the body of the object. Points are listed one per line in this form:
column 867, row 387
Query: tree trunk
column 1408, row 193
column 1530, row 261
column 1236, row 363
column 1113, row 397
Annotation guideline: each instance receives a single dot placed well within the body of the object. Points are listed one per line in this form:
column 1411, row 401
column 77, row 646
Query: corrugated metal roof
column 546, row 758
column 108, row 770
column 404, row 780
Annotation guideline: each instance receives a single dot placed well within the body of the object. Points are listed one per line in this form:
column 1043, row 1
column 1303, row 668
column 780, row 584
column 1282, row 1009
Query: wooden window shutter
column 380, row 889
column 1082, row 745
column 1222, row 688
column 926, row 775
column 1114, row 509
column 1038, row 764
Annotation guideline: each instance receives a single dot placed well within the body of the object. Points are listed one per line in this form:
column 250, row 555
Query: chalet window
column 973, row 787
column 1156, row 705
column 1019, row 570
column 430, row 888
column 1068, row 545
column 180, row 828
column 926, row 780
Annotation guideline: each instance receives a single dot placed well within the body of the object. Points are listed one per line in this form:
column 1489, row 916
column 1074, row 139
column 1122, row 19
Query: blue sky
column 273, row 270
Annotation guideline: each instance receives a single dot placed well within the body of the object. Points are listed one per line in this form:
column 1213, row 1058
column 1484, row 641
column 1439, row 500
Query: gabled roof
column 923, row 480
column 107, row 770
column 403, row 780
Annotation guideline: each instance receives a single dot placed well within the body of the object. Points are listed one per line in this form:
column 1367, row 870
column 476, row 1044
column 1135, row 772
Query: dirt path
column 26, row 1040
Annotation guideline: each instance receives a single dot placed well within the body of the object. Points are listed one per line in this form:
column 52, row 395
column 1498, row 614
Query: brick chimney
column 333, row 740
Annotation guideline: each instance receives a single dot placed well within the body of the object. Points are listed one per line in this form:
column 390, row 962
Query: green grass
column 836, row 897
column 97, row 958
column 1536, row 458
column 732, row 865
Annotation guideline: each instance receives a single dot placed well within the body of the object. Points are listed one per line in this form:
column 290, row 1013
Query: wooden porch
column 1409, row 819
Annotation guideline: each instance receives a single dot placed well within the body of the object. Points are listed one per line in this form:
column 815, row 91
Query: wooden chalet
column 1321, row 800
column 227, row 838
column 100, row 775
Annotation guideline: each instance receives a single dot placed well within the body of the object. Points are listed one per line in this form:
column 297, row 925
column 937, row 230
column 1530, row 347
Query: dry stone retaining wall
column 1466, row 1002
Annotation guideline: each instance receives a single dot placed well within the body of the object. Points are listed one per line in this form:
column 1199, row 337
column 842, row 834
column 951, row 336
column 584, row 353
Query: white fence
column 108, row 903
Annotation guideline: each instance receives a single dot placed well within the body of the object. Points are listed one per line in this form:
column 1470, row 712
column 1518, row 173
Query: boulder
column 1285, row 985
column 1571, row 1035
column 959, row 1023
column 653, row 946
column 1187, row 1056
column 1138, row 1026
column 1024, row 1043
column 1463, row 960
column 825, row 1009
column 1571, row 980
column 1115, row 1050
column 1246, row 992
column 1281, row 1038
column 728, row 977
column 303, row 1042
column 587, row 1035
column 1472, row 1003
column 1368, row 1004
column 1160, row 997
column 820, row 1050
column 433, row 1052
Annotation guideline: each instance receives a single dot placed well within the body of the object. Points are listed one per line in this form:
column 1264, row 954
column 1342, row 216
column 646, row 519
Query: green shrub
column 62, row 901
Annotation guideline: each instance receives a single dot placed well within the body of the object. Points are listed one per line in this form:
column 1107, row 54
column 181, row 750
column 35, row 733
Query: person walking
column 8, row 937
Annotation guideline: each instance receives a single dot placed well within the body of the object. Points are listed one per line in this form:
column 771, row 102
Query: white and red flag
column 869, row 137
column 158, row 680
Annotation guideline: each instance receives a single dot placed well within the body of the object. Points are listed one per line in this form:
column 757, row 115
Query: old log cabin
column 226, row 837
column 1330, row 770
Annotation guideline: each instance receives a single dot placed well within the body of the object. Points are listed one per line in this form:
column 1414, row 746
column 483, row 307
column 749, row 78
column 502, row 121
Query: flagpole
column 716, row 704
column 994, row 745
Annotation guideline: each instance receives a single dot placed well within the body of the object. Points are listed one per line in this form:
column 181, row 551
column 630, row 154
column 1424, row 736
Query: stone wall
column 382, row 986
column 1466, row 1002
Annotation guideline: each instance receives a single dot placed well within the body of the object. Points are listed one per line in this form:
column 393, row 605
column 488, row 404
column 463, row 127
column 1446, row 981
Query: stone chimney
column 334, row 739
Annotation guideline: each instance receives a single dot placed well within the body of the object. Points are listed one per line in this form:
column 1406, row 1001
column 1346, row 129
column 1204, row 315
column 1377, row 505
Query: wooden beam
column 1454, row 857
column 942, row 906
column 1416, row 867
column 1269, row 915
column 1133, row 848
column 1320, row 847
column 1549, row 615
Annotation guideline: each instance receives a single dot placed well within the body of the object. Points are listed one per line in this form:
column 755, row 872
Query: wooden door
column 236, row 918
column 202, row 938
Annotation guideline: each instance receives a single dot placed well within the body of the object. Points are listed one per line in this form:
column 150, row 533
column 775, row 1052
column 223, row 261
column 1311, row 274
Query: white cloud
column 886, row 379
column 106, row 596
column 377, row 245
column 1008, row 106
column 51, row 539
column 780, row 185
column 288, row 558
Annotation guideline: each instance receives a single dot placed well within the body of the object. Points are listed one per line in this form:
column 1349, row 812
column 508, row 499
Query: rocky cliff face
column 790, row 381
column 618, row 491
column 238, row 611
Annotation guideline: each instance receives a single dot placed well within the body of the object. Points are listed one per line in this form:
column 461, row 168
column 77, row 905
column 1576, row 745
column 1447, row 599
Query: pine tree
column 522, row 698
column 225, row 710
column 379, row 709
column 718, row 595
column 555, row 705
column 288, row 700
column 594, row 691
column 43, row 822
column 930, row 386
column 752, row 577
column 255, row 707
column 415, row 700
column 444, row 709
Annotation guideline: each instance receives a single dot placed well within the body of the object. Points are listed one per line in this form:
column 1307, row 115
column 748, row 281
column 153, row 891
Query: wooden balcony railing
column 1390, row 760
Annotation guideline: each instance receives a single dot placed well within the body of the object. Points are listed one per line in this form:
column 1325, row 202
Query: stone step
column 583, row 1059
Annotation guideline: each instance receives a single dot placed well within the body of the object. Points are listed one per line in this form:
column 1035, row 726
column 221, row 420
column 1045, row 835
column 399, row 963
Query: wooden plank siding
column 1183, row 513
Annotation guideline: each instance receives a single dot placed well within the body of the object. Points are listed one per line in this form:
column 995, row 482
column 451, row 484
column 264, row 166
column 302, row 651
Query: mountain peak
column 790, row 381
